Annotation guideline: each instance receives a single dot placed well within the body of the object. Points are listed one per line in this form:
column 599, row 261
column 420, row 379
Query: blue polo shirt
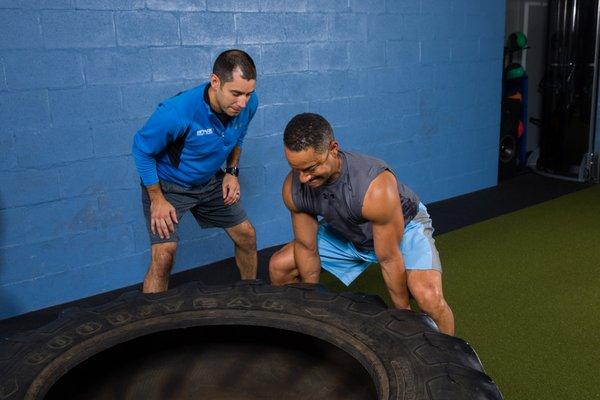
column 186, row 119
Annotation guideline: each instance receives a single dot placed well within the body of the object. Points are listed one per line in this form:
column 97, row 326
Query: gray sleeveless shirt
column 340, row 202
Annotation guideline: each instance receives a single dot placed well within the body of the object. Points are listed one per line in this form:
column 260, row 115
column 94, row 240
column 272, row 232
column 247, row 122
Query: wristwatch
column 235, row 171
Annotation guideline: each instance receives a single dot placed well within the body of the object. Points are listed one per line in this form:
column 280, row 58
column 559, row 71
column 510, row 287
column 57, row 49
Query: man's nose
column 304, row 177
column 242, row 101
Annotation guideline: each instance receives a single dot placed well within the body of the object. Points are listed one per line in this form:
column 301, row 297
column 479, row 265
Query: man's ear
column 334, row 147
column 215, row 82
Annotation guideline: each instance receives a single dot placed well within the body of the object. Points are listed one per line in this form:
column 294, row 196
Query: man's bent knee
column 244, row 235
column 429, row 297
column 248, row 241
column 276, row 271
column 157, row 277
column 163, row 255
column 282, row 268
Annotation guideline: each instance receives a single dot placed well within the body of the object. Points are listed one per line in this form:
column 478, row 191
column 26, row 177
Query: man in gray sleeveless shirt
column 368, row 216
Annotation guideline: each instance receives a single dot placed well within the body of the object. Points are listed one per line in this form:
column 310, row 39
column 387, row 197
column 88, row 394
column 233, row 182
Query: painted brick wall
column 416, row 83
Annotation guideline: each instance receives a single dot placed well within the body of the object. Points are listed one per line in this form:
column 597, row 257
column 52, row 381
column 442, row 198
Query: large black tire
column 405, row 355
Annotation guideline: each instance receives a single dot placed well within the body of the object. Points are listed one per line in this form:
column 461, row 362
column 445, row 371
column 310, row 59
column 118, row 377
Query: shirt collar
column 224, row 118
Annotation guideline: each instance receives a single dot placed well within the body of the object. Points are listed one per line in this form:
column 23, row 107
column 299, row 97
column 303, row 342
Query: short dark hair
column 308, row 130
column 229, row 60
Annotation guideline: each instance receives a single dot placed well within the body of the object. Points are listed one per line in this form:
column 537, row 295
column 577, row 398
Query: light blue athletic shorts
column 342, row 259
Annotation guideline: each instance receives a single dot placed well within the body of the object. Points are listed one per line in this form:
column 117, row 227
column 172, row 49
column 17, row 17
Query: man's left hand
column 231, row 189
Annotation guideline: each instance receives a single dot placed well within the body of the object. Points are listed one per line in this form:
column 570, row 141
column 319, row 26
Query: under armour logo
column 328, row 196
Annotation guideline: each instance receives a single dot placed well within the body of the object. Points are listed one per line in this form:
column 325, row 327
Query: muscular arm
column 305, row 228
column 383, row 208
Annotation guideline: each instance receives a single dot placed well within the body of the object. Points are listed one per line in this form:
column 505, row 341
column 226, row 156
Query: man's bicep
column 382, row 207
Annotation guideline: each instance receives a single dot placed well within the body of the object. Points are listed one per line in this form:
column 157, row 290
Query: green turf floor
column 525, row 291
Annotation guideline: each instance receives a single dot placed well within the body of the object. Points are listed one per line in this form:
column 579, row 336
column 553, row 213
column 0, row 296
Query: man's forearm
column 233, row 160
column 155, row 193
column 308, row 263
column 394, row 275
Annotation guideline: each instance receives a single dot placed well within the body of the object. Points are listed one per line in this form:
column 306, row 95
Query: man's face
column 314, row 169
column 232, row 96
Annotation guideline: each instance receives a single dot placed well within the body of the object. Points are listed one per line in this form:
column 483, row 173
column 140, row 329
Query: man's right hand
column 162, row 218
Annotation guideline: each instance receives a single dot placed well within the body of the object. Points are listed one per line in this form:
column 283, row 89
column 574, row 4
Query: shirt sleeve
column 252, row 106
column 162, row 128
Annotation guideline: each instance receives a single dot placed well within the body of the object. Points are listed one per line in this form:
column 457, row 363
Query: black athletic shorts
column 205, row 203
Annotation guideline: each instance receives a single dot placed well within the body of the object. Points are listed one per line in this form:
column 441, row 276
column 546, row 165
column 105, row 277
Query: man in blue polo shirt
column 179, row 153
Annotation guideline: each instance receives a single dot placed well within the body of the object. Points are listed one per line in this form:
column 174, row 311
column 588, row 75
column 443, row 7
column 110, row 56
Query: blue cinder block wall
column 416, row 83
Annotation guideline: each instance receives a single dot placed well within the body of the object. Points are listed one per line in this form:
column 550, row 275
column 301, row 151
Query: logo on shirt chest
column 204, row 132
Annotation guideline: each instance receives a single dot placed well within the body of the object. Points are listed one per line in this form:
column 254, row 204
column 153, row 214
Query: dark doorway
column 560, row 64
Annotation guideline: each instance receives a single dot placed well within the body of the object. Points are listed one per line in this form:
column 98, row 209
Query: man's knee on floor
column 277, row 270
column 281, row 268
